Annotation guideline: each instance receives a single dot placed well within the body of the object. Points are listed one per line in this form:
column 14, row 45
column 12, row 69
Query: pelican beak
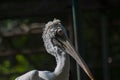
column 72, row 52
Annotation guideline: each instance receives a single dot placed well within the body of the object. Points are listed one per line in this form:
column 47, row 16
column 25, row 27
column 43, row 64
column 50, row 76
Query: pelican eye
column 60, row 32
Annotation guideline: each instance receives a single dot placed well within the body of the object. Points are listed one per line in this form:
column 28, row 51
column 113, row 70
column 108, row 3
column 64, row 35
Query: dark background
column 98, row 32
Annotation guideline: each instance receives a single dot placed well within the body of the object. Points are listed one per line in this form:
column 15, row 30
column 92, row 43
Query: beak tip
column 91, row 77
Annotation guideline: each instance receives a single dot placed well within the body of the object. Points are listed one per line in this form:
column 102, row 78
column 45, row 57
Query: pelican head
column 55, row 31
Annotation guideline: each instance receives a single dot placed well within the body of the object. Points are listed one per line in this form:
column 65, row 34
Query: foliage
column 23, row 60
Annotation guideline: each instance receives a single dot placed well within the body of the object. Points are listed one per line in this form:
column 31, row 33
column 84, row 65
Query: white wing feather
column 37, row 75
column 31, row 75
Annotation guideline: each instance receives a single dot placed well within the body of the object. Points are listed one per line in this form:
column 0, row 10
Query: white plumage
column 57, row 44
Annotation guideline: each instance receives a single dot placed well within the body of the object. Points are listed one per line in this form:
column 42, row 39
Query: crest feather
column 50, row 24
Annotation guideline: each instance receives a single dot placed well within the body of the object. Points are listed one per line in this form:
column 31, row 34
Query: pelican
column 57, row 44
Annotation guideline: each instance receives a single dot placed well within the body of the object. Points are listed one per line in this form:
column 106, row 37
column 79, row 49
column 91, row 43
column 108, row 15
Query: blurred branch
column 26, row 51
column 34, row 28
